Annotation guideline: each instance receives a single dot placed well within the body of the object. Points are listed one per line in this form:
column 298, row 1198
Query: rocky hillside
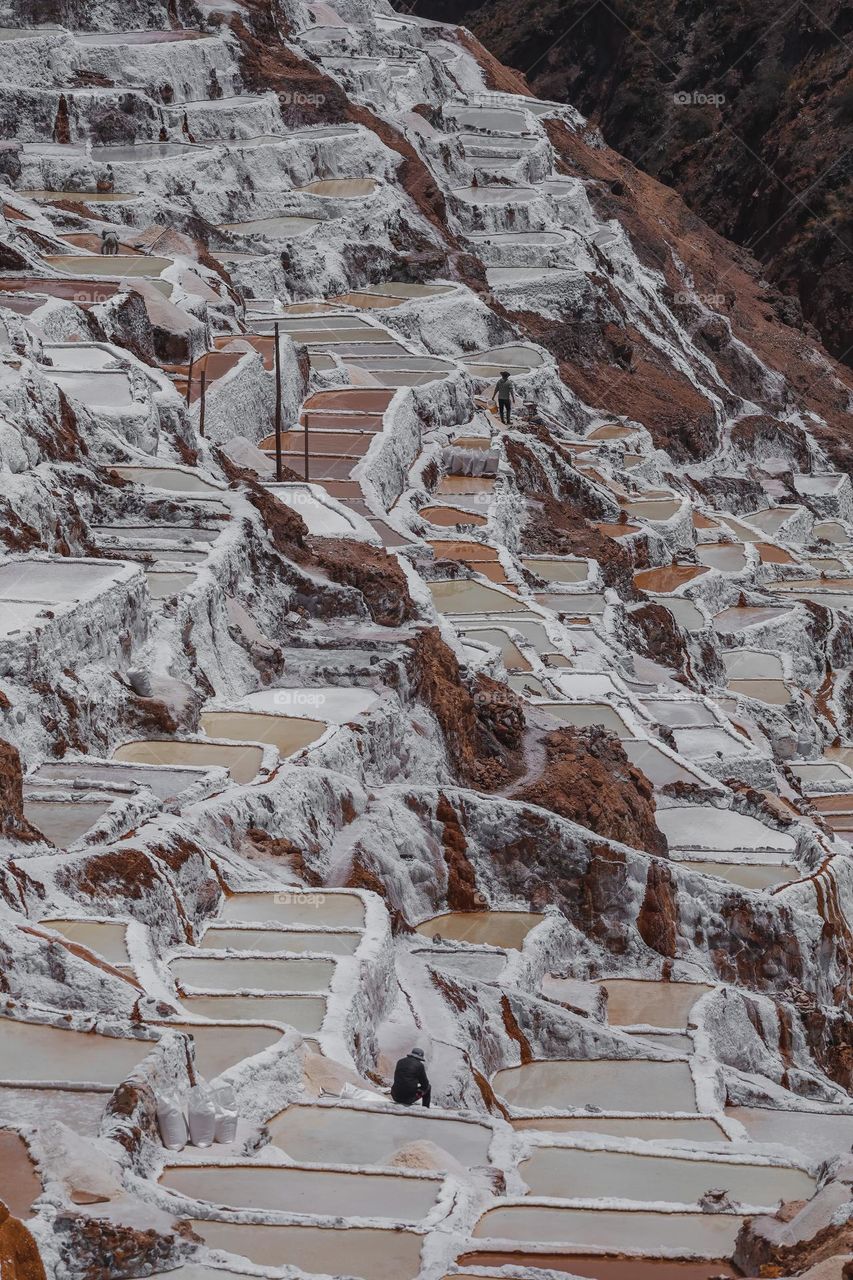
column 746, row 109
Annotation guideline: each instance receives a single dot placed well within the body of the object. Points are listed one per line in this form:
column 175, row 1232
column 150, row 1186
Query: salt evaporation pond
column 599, row 1267
column 281, row 227
column 214, row 974
column 311, row 1191
column 287, row 733
column 304, row 1013
column 35, row 1052
column 175, row 479
column 121, row 265
column 64, row 822
column 558, row 570
column 457, row 597
column 166, row 583
column 633, row 1002
column 572, row 1173
column 756, row 877
column 753, row 664
column 816, row 1135
column 492, row 928
column 218, row 1048
column 706, row 827
column 511, row 656
column 80, row 1109
column 631, row 1084
column 344, row 1135
column 19, row 1182
column 342, row 944
column 243, row 762
column 294, row 907
column 368, row 1253
column 710, row 1234
column 648, row 1128
column 584, row 714
column 103, row 937
column 774, row 692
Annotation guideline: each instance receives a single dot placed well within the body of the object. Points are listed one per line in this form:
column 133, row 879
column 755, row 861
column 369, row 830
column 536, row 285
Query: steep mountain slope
column 745, row 109
column 343, row 713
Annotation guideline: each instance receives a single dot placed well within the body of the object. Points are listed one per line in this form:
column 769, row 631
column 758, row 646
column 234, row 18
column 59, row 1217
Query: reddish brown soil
column 19, row 1256
column 13, row 824
column 589, row 779
column 482, row 729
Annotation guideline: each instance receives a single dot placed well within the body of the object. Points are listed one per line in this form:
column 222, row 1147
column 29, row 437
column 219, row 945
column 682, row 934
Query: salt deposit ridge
column 528, row 743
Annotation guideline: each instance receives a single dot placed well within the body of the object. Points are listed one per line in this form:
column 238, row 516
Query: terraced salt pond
column 366, row 1253
column 633, row 1002
column 648, row 1128
column 216, row 939
column 287, row 733
column 19, row 1182
column 458, row 597
column 635, row 1084
column 64, row 822
column 815, row 1135
column 304, row 1013
column 276, row 228
column 36, row 1053
column 243, row 762
column 700, row 827
column 104, row 937
column 218, row 1048
column 295, row 907
column 490, row 928
column 754, row 876
column 597, row 1266
column 120, row 265
column 572, row 1173
column 311, row 1191
column 344, row 1135
column 709, row 1235
column 204, row 973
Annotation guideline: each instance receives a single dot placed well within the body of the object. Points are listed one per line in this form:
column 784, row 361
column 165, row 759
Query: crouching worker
column 411, row 1084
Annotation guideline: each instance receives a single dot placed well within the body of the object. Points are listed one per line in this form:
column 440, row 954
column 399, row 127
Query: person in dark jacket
column 411, row 1083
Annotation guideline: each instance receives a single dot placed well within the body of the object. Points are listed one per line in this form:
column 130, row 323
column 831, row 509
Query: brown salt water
column 711, row 1234
column 494, row 928
column 747, row 875
column 368, row 1253
column 655, row 1004
column 218, row 1048
column 817, row 1135
column 667, row 579
column 310, row 1191
column 20, row 1185
column 571, row 1173
column 64, row 822
column 600, row 1268
column 287, row 733
column 649, row 1128
column 214, row 974
column 339, row 944
column 243, row 761
column 453, row 597
column 305, row 1013
column 294, row 907
column 35, row 1052
column 341, row 1135
column 513, row 658
column 104, row 938
column 636, row 1084
column 449, row 517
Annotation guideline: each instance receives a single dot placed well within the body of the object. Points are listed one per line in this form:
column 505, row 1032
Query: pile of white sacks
column 206, row 1115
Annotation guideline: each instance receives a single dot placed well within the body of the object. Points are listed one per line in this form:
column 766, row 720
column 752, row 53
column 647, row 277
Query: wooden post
column 190, row 380
column 277, row 407
column 203, row 397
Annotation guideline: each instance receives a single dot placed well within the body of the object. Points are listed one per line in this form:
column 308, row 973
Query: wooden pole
column 190, row 380
column 277, row 407
column 203, row 397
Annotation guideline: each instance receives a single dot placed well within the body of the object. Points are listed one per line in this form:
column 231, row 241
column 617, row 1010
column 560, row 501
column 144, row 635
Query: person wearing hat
column 505, row 396
column 411, row 1083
